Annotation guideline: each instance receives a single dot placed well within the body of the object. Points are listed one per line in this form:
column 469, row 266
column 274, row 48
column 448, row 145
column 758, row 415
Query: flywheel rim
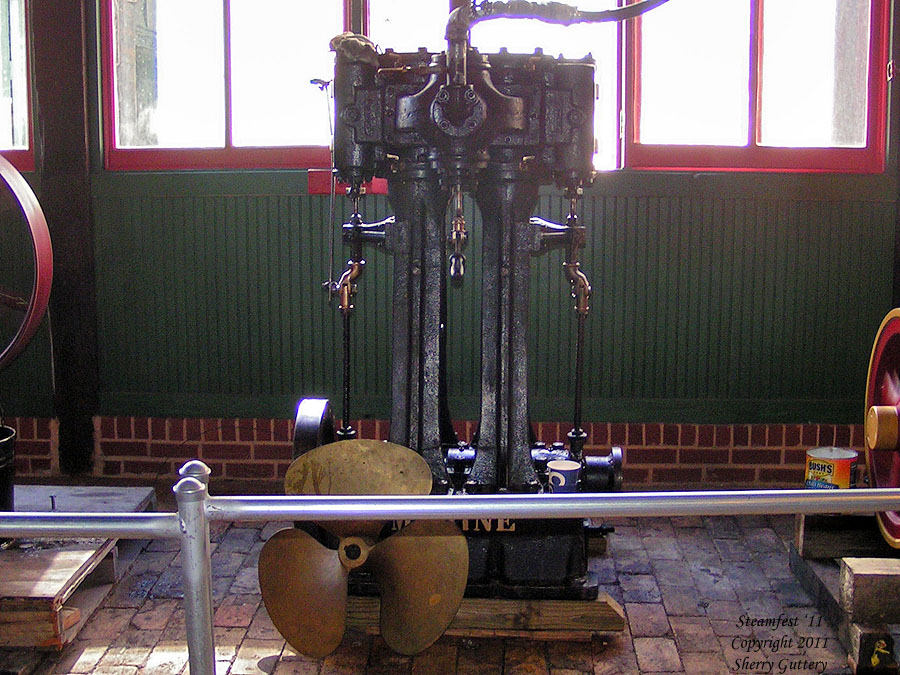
column 885, row 356
column 42, row 252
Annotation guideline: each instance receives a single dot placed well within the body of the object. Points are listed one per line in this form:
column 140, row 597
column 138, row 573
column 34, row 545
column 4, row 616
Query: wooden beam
column 62, row 159
column 870, row 588
column 507, row 617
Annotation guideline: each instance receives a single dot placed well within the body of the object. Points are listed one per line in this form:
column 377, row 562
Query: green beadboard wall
column 728, row 298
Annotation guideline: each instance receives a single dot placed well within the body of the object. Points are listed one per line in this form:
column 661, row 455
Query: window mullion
column 621, row 95
column 226, row 8
column 755, row 83
column 350, row 22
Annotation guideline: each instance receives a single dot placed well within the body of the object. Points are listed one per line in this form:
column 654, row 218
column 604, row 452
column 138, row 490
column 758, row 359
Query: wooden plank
column 561, row 619
column 47, row 577
column 820, row 536
column 562, row 635
column 22, row 627
column 40, row 632
column 869, row 588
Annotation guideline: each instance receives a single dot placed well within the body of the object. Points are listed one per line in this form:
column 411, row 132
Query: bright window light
column 231, row 79
column 406, row 25
column 277, row 47
column 171, row 72
column 695, row 69
column 13, row 76
column 190, row 108
column 813, row 89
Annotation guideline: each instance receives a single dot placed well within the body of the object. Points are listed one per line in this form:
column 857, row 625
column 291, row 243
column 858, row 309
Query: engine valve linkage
column 458, row 239
column 347, row 288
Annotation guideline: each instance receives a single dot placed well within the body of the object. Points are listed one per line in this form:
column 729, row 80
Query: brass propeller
column 421, row 571
column 304, row 587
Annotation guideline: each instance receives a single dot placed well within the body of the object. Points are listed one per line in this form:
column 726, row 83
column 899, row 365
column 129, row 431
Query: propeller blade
column 304, row 588
column 358, row 467
column 422, row 572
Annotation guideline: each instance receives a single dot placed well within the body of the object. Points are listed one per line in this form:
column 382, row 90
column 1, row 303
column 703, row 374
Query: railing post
column 196, row 574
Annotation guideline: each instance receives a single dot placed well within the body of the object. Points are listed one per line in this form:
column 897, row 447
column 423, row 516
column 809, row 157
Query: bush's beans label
column 831, row 468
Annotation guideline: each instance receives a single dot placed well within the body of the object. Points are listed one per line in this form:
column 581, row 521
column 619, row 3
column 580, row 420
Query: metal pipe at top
column 550, row 12
column 92, row 525
column 524, row 506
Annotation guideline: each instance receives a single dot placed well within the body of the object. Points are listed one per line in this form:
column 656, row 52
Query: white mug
column 563, row 475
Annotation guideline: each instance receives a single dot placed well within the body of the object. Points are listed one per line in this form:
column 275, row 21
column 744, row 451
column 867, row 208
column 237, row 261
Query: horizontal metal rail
column 196, row 508
column 635, row 504
column 94, row 525
column 713, row 503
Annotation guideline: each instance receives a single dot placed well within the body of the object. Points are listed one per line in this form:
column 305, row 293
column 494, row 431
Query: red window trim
column 23, row 158
column 175, row 159
column 754, row 157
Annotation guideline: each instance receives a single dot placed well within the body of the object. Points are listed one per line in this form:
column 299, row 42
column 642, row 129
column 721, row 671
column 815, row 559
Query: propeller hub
column 353, row 552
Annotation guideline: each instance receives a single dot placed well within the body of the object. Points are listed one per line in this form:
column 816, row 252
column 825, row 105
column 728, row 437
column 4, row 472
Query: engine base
column 525, row 559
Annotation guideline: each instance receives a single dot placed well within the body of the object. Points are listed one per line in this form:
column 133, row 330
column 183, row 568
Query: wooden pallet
column 48, row 589
column 490, row 617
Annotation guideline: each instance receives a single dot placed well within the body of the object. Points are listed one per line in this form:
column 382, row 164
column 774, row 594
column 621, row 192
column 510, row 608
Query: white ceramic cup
column 563, row 475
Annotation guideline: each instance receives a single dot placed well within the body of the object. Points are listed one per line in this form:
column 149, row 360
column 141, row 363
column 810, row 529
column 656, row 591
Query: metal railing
column 196, row 509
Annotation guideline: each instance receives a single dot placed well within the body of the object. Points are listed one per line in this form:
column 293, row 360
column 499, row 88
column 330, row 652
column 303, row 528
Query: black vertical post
column 420, row 417
column 506, row 199
column 58, row 31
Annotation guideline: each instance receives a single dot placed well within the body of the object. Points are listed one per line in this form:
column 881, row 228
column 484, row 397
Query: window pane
column 13, row 72
column 523, row 36
column 695, row 73
column 406, row 25
column 170, row 86
column 277, row 47
column 814, row 80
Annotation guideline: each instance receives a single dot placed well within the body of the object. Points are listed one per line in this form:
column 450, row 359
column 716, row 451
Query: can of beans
column 831, row 468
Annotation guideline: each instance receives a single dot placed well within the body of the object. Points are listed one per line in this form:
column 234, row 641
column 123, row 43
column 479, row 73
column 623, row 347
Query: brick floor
column 684, row 584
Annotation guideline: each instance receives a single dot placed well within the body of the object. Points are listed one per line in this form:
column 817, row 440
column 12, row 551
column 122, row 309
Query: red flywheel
column 30, row 305
column 883, row 418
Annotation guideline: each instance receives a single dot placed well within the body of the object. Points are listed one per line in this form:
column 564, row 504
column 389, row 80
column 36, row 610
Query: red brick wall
column 35, row 446
column 656, row 455
column 745, row 455
column 247, row 449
